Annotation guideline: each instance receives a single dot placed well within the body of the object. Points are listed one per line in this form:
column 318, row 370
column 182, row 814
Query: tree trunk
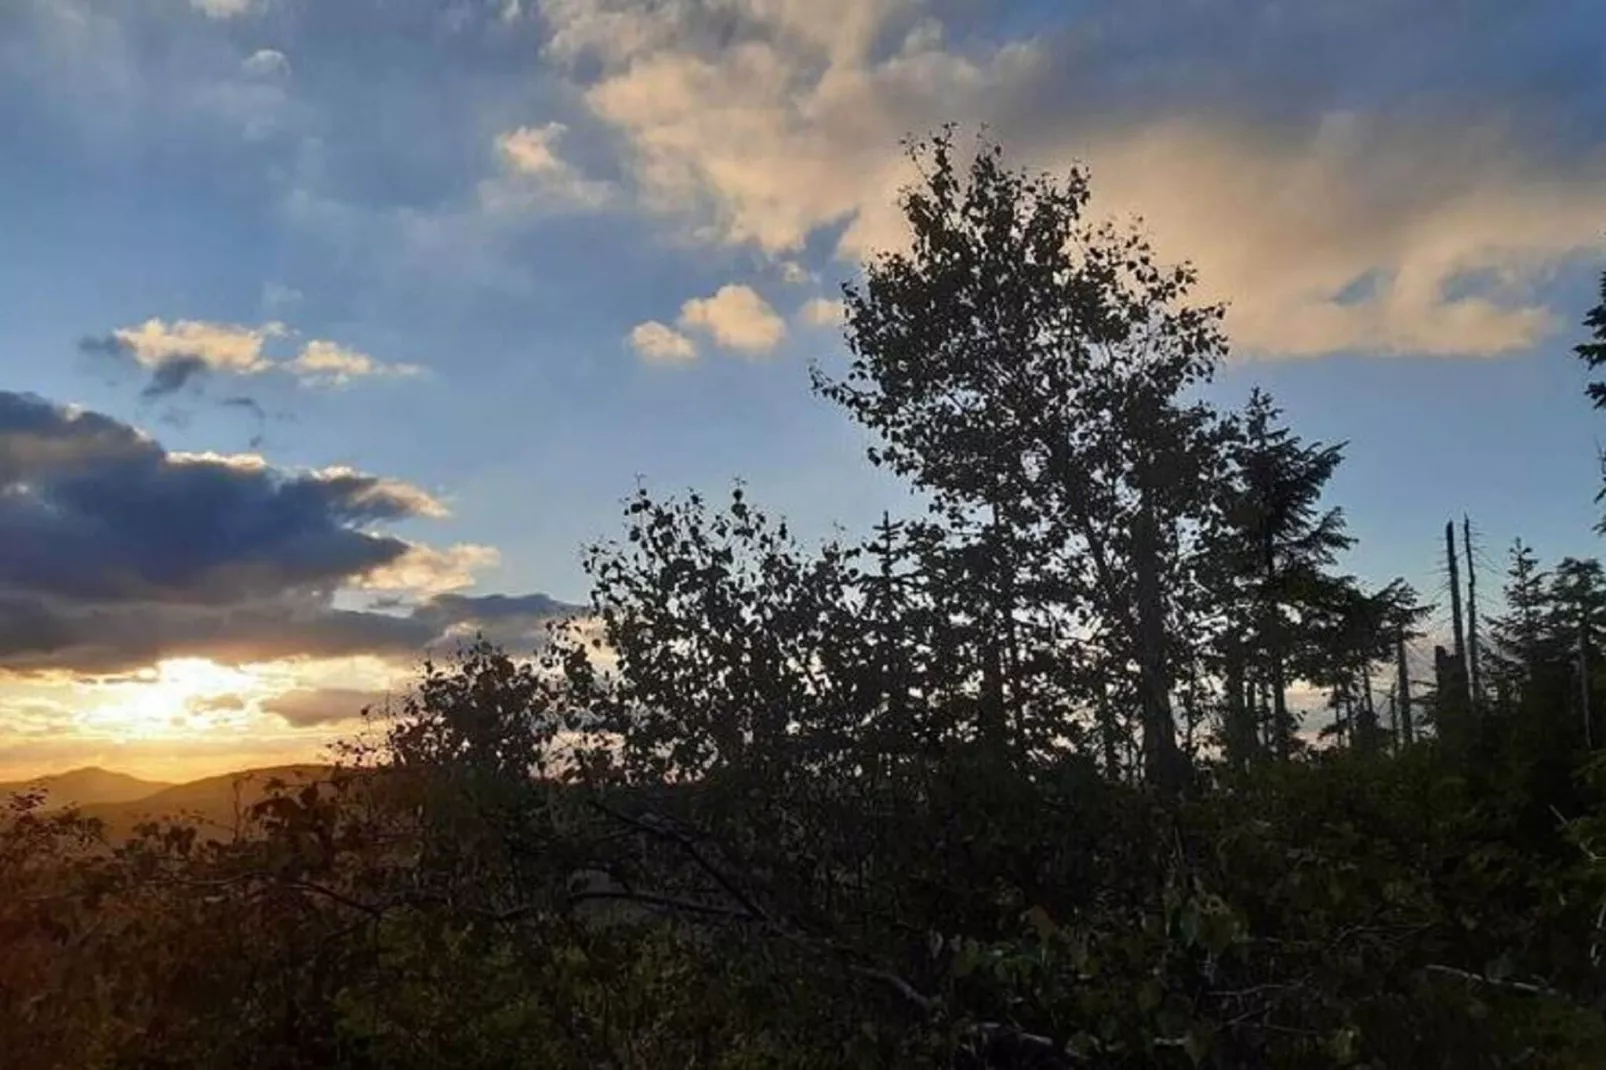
column 1109, row 733
column 1243, row 741
column 1281, row 733
column 1403, row 684
column 1369, row 725
column 1162, row 761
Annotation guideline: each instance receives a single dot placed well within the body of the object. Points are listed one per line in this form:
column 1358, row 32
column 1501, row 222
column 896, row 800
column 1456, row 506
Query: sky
column 330, row 331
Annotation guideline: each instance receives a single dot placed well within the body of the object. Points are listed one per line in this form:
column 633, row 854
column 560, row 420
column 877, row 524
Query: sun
column 174, row 697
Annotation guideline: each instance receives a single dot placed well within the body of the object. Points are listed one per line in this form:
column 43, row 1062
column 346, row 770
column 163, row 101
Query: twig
column 1515, row 986
column 664, row 830
column 667, row 902
column 926, row 1003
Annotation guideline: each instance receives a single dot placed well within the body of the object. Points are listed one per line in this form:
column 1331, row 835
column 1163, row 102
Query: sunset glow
column 178, row 697
column 318, row 359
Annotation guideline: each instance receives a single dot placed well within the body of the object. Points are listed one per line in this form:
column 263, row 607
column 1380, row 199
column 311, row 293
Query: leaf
column 1040, row 922
column 1083, row 1046
column 1188, row 925
column 1341, row 1046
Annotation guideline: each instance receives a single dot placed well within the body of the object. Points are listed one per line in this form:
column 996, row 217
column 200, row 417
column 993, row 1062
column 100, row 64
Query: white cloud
column 737, row 318
column 220, row 346
column 246, row 461
column 662, row 344
column 823, row 312
column 276, row 296
column 762, row 122
column 536, row 176
column 267, row 63
column 795, row 273
column 234, row 349
column 223, row 9
column 325, row 363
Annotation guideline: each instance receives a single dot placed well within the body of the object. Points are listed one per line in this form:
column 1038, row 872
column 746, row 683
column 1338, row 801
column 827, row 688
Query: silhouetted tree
column 1272, row 551
column 1593, row 353
column 1516, row 638
column 1027, row 369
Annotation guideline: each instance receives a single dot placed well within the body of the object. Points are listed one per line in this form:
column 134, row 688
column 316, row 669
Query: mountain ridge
column 214, row 803
column 85, row 786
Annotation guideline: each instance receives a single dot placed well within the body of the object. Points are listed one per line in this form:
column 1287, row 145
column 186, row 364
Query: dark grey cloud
column 1279, row 61
column 492, row 608
column 167, row 377
column 258, row 414
column 91, row 509
column 97, row 637
column 102, row 345
column 173, row 375
column 514, row 622
column 115, row 553
column 39, row 634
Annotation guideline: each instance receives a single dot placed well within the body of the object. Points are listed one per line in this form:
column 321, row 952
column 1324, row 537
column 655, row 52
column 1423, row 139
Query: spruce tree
column 1274, row 547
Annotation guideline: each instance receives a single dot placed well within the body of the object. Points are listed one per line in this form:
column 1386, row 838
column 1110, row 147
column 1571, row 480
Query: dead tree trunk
column 1403, row 687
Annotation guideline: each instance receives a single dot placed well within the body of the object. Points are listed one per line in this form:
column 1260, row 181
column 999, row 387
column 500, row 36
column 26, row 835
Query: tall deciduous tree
column 1029, row 370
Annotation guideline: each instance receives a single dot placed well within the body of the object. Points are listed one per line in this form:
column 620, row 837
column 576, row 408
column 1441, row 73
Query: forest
column 1016, row 780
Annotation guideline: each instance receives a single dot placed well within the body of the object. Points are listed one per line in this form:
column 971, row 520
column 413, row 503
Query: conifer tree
column 1593, row 354
column 1273, row 549
column 1516, row 638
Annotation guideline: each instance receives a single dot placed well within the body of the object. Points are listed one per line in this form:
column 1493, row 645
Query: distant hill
column 90, row 786
column 216, row 804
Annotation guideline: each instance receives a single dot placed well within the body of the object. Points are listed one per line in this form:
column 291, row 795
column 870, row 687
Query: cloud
column 258, row 414
column 324, row 363
column 761, row 122
column 310, row 707
column 535, row 176
column 226, row 347
column 92, row 509
column 122, row 553
column 224, row 703
column 266, row 63
column 173, row 375
column 823, row 312
column 737, row 318
column 662, row 344
column 429, row 570
column 224, row 9
column 795, row 273
column 181, row 354
column 766, row 124
column 91, row 637
column 1412, row 211
column 374, row 498
column 277, row 296
column 514, row 622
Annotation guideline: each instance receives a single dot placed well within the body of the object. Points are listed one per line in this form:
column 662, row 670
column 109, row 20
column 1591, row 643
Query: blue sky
column 512, row 255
